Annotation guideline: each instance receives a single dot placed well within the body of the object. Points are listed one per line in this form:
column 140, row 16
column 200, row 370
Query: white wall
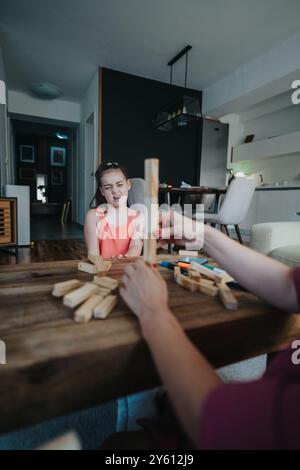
column 266, row 76
column 2, row 68
column 281, row 122
column 5, row 167
column 87, row 161
column 263, row 125
column 60, row 110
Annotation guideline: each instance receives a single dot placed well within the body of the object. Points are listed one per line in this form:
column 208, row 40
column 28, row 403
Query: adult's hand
column 144, row 290
column 177, row 228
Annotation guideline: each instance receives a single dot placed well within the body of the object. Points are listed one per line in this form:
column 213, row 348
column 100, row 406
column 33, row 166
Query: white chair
column 136, row 194
column 235, row 206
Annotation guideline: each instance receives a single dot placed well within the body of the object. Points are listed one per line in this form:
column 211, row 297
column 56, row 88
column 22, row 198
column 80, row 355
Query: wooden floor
column 47, row 250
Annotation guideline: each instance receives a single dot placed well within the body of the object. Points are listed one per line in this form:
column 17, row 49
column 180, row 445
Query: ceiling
column 63, row 41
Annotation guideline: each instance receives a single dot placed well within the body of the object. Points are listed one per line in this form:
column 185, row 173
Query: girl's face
column 114, row 187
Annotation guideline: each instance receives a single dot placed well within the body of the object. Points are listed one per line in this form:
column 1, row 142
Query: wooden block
column 62, row 288
column 227, row 297
column 186, row 282
column 103, row 290
column 188, row 253
column 103, row 309
column 85, row 311
column 106, row 282
column 76, row 297
column 205, row 271
column 151, row 203
column 206, row 283
column 194, row 275
column 177, row 272
column 225, row 277
column 87, row 267
column 101, row 265
column 210, row 290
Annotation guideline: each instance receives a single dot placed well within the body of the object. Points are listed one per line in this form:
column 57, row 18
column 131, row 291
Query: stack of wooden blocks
column 95, row 299
column 204, row 280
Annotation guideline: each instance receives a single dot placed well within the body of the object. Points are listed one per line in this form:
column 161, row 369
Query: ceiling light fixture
column 44, row 90
column 61, row 136
column 185, row 110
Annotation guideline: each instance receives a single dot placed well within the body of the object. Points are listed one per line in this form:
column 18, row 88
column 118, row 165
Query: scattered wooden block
column 210, row 290
column 206, row 272
column 85, row 311
column 206, row 282
column 103, row 309
column 194, row 275
column 62, row 288
column 105, row 282
column 186, row 282
column 76, row 297
column 177, row 272
column 101, row 265
column 188, row 253
column 87, row 267
column 103, row 290
column 228, row 299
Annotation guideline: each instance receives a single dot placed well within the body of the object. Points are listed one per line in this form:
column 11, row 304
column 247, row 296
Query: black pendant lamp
column 185, row 110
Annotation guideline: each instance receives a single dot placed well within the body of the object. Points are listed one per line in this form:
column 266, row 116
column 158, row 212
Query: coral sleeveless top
column 116, row 229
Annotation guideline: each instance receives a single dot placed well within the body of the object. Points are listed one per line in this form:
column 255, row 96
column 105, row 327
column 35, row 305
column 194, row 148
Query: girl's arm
column 135, row 248
column 90, row 233
column 136, row 244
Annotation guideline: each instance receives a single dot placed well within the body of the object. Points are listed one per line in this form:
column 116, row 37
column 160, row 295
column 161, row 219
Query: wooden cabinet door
column 5, row 222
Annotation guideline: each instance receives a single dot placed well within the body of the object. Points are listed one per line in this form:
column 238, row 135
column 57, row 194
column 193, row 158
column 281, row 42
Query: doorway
column 45, row 160
column 90, row 163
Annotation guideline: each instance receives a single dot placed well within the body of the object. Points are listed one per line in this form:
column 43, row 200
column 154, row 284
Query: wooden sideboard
column 8, row 222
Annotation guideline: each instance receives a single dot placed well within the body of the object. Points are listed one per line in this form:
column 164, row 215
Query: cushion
column 289, row 255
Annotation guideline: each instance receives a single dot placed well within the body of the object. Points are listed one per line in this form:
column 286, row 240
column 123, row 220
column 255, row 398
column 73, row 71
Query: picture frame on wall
column 27, row 154
column 57, row 178
column 27, row 174
column 57, row 156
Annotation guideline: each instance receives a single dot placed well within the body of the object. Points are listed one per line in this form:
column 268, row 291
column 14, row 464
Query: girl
column 111, row 228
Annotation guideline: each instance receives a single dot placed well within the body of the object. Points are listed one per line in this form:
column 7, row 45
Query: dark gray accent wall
column 129, row 104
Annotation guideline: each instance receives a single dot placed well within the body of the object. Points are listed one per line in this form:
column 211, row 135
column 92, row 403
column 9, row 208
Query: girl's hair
column 103, row 167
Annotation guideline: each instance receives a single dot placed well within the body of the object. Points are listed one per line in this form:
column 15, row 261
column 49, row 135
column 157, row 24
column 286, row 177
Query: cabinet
column 21, row 193
column 278, row 205
column 8, row 222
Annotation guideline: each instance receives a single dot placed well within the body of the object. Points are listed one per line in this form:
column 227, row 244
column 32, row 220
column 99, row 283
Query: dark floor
column 46, row 250
column 51, row 241
column 50, row 228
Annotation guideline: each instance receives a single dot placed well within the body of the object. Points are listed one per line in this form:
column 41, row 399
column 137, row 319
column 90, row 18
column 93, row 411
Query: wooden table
column 55, row 366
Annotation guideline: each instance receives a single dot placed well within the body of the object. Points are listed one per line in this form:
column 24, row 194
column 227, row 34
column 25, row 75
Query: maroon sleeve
column 296, row 275
column 241, row 416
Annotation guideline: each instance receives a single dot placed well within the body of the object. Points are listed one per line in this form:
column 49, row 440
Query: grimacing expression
column 114, row 187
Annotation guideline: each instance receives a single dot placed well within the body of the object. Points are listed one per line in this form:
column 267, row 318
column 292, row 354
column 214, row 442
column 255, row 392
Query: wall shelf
column 273, row 147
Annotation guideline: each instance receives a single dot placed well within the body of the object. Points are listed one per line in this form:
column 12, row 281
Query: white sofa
column 279, row 240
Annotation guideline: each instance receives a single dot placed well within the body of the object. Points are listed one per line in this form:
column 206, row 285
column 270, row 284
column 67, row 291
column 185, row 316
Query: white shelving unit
column 272, row 147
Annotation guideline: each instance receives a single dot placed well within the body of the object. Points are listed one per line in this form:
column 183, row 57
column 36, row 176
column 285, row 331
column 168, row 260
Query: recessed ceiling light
column 45, row 90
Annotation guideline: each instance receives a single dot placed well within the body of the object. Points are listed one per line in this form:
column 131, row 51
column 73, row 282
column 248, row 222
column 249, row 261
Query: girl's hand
column 144, row 290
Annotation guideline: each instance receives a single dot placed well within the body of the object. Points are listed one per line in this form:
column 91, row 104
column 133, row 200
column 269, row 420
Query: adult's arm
column 188, row 376
column 267, row 278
